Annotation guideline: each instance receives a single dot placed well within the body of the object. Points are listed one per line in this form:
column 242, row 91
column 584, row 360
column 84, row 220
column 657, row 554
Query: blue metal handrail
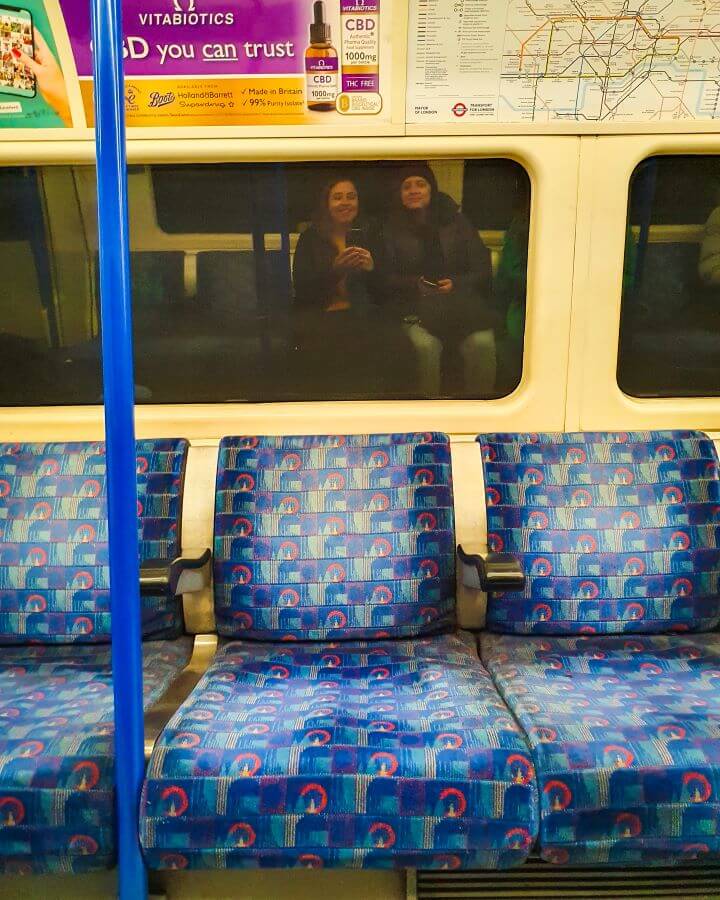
column 118, row 389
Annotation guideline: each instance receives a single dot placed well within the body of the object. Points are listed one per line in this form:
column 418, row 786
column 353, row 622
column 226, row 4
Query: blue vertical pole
column 118, row 382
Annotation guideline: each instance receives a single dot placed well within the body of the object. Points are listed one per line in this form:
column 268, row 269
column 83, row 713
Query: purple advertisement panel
column 189, row 37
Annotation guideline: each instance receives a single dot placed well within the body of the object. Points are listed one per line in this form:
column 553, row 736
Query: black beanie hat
column 417, row 170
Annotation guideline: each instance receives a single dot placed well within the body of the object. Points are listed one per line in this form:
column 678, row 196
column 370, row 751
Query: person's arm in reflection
column 709, row 263
column 475, row 277
column 511, row 277
column 314, row 278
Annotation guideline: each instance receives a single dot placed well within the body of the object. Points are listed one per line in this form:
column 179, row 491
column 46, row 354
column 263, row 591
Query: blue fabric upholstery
column 56, row 752
column 334, row 537
column 616, row 532
column 383, row 754
column 625, row 735
column 54, row 574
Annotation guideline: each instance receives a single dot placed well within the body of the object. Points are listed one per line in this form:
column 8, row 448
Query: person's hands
column 49, row 77
column 352, row 258
column 445, row 286
column 367, row 263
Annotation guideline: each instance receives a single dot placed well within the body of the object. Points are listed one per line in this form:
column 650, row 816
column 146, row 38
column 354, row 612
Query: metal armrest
column 185, row 574
column 492, row 572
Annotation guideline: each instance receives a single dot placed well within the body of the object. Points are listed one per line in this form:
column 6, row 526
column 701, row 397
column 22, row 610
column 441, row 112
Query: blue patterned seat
column 625, row 735
column 377, row 741
column 56, row 752
column 56, row 707
column 618, row 536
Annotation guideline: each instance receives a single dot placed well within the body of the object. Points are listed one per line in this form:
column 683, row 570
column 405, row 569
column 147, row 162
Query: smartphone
column 355, row 237
column 432, row 284
column 16, row 33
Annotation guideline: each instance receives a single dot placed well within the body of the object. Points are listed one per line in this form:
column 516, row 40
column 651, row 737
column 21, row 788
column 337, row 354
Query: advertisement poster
column 33, row 82
column 253, row 62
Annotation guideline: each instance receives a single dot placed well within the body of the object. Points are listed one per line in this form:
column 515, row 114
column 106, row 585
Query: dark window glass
column 670, row 320
column 273, row 282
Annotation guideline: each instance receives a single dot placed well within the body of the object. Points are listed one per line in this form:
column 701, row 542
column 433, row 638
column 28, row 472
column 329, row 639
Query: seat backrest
column 54, row 572
column 616, row 532
column 334, row 537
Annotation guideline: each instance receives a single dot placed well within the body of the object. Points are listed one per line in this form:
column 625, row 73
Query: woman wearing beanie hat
column 434, row 270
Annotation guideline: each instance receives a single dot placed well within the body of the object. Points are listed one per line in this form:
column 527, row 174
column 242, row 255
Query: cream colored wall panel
column 607, row 164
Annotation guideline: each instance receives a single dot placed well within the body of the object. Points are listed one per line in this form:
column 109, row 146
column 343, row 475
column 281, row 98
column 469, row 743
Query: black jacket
column 447, row 246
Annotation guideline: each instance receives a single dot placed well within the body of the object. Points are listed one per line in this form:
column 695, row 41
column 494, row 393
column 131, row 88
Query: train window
column 274, row 282
column 670, row 320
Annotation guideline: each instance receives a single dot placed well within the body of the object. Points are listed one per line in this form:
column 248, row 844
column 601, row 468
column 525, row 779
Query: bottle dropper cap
column 320, row 29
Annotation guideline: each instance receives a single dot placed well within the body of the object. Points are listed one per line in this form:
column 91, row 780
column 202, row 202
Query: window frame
column 538, row 402
column 595, row 400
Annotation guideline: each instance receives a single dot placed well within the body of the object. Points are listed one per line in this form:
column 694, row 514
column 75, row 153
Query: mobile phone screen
column 355, row 237
column 16, row 33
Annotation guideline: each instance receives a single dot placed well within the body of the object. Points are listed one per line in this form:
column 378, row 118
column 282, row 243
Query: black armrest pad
column 161, row 576
column 495, row 571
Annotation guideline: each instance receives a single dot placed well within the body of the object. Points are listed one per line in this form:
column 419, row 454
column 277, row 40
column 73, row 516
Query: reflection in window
column 670, row 321
column 273, row 282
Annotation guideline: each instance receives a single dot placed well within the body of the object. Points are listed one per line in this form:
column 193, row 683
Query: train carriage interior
column 427, row 504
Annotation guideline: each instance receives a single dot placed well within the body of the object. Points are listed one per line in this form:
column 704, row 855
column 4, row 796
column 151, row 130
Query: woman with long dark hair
column 339, row 337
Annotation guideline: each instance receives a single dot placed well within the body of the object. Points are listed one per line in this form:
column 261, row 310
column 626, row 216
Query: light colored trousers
column 478, row 353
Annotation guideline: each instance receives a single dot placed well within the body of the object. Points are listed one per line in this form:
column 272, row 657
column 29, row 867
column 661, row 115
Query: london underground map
column 563, row 60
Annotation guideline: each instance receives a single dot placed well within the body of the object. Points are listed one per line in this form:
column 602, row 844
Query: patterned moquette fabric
column 54, row 573
column 625, row 741
column 616, row 533
column 334, row 537
column 364, row 755
column 56, row 752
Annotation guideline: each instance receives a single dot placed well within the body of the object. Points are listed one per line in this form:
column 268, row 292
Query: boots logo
column 157, row 99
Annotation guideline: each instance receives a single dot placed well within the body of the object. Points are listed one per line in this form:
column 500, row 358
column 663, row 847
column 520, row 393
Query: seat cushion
column 334, row 537
column 390, row 754
column 56, row 752
column 54, row 572
column 616, row 533
column 625, row 735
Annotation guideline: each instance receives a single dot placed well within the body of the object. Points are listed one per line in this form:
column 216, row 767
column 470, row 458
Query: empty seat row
column 345, row 721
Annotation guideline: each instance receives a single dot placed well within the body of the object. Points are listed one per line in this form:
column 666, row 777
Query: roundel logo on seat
column 82, row 625
column 246, row 764
column 673, row 494
column 446, row 861
column 242, row 574
column 680, row 540
column 318, row 737
column 41, row 510
column 244, row 482
column 581, row 497
column 381, row 547
column 36, row 603
column 335, row 573
column 29, row 749
column 142, row 465
column 449, row 741
column 623, row 475
column 379, row 459
column 241, row 835
column 619, row 757
column 310, row 861
column 243, row 526
column 12, row 812
column 521, row 769
column 429, row 568
column 698, row 787
column 385, row 764
column 533, row 476
column 174, row 801
column 453, row 803
column 518, row 839
column 173, row 861
column 315, row 798
column 665, row 452
column 424, row 477
column 382, row 835
column 49, row 467
column 82, row 845
column 559, row 795
column 382, row 595
column 379, row 502
column 628, row 825
column 86, row 775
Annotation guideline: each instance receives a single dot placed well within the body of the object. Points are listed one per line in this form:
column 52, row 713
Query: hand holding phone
column 49, row 77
